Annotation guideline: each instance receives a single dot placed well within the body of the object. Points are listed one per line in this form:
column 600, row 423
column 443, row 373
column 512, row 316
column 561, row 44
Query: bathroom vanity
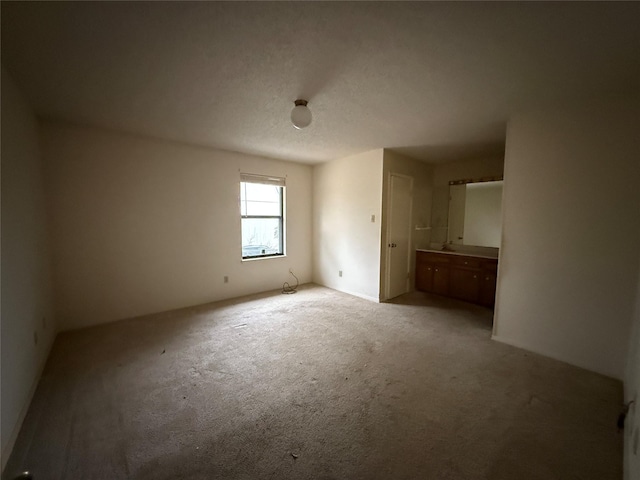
column 471, row 278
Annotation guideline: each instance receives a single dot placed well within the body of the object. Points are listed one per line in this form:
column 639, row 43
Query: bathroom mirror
column 475, row 212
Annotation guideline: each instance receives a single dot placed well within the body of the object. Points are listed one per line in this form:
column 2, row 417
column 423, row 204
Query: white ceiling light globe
column 301, row 115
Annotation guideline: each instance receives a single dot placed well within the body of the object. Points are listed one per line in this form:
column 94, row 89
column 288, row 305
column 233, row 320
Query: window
column 262, row 216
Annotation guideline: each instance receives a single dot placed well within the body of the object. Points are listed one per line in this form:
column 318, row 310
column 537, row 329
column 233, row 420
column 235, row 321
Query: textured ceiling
column 436, row 81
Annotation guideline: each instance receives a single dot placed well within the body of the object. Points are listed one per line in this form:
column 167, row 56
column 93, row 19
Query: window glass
column 261, row 209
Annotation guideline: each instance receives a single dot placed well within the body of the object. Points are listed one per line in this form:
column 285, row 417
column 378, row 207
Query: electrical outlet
column 373, row 219
column 339, row 273
column 226, row 279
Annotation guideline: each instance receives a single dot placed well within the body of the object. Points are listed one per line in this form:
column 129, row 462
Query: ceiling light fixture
column 300, row 115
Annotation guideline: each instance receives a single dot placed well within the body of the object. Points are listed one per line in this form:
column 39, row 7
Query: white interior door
column 400, row 199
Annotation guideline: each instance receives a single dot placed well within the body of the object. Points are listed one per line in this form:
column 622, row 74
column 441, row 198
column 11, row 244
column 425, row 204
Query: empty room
column 320, row 240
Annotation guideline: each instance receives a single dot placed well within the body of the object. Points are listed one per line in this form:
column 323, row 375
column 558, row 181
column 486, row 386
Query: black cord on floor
column 288, row 289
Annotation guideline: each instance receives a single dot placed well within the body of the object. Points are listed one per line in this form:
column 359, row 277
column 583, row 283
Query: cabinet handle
column 436, row 269
column 475, row 276
column 466, row 263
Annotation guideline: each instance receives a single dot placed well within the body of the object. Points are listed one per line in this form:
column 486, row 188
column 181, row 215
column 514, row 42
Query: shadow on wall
column 457, row 152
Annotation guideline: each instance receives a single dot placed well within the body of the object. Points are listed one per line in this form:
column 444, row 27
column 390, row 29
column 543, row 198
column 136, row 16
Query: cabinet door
column 488, row 289
column 440, row 280
column 424, row 277
column 465, row 284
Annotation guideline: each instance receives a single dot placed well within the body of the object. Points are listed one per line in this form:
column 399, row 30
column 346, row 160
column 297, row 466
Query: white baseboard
column 8, row 448
column 554, row 356
column 355, row 294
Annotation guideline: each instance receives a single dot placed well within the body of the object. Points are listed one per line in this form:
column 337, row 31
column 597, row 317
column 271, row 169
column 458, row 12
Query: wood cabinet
column 465, row 284
column 488, row 289
column 432, row 274
column 466, row 277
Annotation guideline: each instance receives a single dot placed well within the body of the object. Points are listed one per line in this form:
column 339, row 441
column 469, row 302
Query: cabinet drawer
column 424, row 257
column 469, row 262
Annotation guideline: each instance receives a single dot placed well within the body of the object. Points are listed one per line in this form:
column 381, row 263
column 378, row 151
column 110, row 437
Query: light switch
column 373, row 219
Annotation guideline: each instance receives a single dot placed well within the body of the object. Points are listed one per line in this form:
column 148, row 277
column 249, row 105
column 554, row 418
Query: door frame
column 388, row 233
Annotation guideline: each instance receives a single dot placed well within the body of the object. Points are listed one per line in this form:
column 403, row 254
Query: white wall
column 142, row 225
column 346, row 193
column 443, row 174
column 631, row 387
column 422, row 174
column 27, row 306
column 571, row 233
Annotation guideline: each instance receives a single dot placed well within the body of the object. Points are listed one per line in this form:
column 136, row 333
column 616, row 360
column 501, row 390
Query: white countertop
column 449, row 252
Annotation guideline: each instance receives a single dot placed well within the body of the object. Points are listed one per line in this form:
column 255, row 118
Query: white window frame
column 265, row 180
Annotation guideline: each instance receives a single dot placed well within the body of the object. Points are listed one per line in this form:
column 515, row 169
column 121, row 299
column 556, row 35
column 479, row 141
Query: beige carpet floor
column 315, row 385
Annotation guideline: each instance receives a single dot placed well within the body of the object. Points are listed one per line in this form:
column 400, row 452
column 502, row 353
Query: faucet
column 446, row 247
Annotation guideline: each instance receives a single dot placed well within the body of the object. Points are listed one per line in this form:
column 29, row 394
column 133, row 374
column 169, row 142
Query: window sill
column 268, row 257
